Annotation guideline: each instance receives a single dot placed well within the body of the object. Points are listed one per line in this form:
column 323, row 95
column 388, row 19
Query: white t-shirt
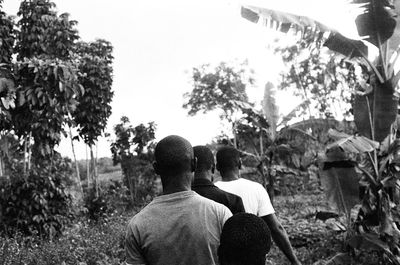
column 179, row 229
column 255, row 198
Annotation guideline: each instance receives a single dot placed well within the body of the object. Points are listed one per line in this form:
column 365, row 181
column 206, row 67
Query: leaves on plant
column 348, row 47
column 351, row 143
column 377, row 22
column 368, row 242
column 321, row 215
column 270, row 109
column 341, row 187
column 380, row 107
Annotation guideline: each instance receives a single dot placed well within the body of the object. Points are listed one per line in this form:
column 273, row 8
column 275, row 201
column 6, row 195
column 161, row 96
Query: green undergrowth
column 101, row 242
column 314, row 241
column 84, row 243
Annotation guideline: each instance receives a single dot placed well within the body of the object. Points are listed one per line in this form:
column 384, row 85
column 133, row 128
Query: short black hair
column 245, row 240
column 205, row 158
column 228, row 158
column 173, row 155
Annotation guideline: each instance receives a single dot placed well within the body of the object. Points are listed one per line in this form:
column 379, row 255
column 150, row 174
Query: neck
column 230, row 175
column 174, row 184
column 203, row 175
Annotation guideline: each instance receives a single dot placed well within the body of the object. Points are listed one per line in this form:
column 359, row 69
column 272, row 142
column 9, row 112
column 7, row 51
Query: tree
column 316, row 74
column 274, row 144
column 375, row 111
column 7, row 86
column 45, row 76
column 94, row 109
column 221, row 88
column 133, row 148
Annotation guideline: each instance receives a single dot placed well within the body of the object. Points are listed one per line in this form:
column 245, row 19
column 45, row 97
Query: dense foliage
column 367, row 160
column 94, row 108
column 133, row 148
column 318, row 75
column 37, row 204
column 47, row 80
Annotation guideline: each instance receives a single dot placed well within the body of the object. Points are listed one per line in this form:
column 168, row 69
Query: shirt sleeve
column 264, row 203
column 239, row 208
column 225, row 214
column 132, row 249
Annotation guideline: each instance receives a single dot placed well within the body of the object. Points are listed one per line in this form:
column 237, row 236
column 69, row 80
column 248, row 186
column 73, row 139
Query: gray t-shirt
column 178, row 228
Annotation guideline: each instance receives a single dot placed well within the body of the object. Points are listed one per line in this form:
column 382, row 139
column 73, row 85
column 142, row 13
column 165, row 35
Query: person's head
column 205, row 161
column 174, row 160
column 245, row 240
column 228, row 159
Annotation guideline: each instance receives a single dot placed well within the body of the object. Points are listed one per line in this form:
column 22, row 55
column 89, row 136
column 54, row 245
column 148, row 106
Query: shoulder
column 250, row 183
column 211, row 204
column 231, row 196
column 141, row 217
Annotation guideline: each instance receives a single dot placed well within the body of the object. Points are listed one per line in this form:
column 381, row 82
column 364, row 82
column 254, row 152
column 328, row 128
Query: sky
column 156, row 44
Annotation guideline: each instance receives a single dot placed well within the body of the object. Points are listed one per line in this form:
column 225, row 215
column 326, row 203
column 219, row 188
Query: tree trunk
column 29, row 151
column 2, row 154
column 271, row 181
column 234, row 134
column 96, row 173
column 87, row 169
column 25, row 155
column 93, row 171
column 1, row 165
column 126, row 165
column 78, row 177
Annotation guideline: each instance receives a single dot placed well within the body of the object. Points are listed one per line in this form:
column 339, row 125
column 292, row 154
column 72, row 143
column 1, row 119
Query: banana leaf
column 377, row 22
column 336, row 41
column 270, row 108
column 341, row 188
column 348, row 47
column 340, row 181
column 394, row 41
column 351, row 143
column 380, row 108
column 293, row 113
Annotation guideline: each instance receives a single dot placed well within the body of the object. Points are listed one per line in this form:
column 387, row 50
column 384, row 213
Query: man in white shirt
column 180, row 226
column 255, row 198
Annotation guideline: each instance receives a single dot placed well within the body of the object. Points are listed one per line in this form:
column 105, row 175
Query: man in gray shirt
column 180, row 226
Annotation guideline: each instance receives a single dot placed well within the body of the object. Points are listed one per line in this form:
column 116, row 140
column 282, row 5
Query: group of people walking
column 197, row 222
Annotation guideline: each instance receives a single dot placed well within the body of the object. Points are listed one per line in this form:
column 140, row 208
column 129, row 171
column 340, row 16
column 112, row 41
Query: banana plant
column 375, row 110
column 272, row 141
column 376, row 106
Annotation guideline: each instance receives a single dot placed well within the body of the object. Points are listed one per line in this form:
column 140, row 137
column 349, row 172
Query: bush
column 99, row 244
column 113, row 199
column 37, row 203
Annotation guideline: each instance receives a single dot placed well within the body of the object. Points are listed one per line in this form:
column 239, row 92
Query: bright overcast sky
column 156, row 43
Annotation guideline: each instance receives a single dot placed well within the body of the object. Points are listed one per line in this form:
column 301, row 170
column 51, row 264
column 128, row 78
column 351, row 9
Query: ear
column 194, row 164
column 156, row 169
column 240, row 163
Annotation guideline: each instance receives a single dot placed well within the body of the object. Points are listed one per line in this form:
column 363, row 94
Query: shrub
column 99, row 244
column 113, row 199
column 36, row 203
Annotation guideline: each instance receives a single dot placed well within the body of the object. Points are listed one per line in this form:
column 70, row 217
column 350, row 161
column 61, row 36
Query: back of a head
column 245, row 240
column 173, row 155
column 205, row 158
column 228, row 159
